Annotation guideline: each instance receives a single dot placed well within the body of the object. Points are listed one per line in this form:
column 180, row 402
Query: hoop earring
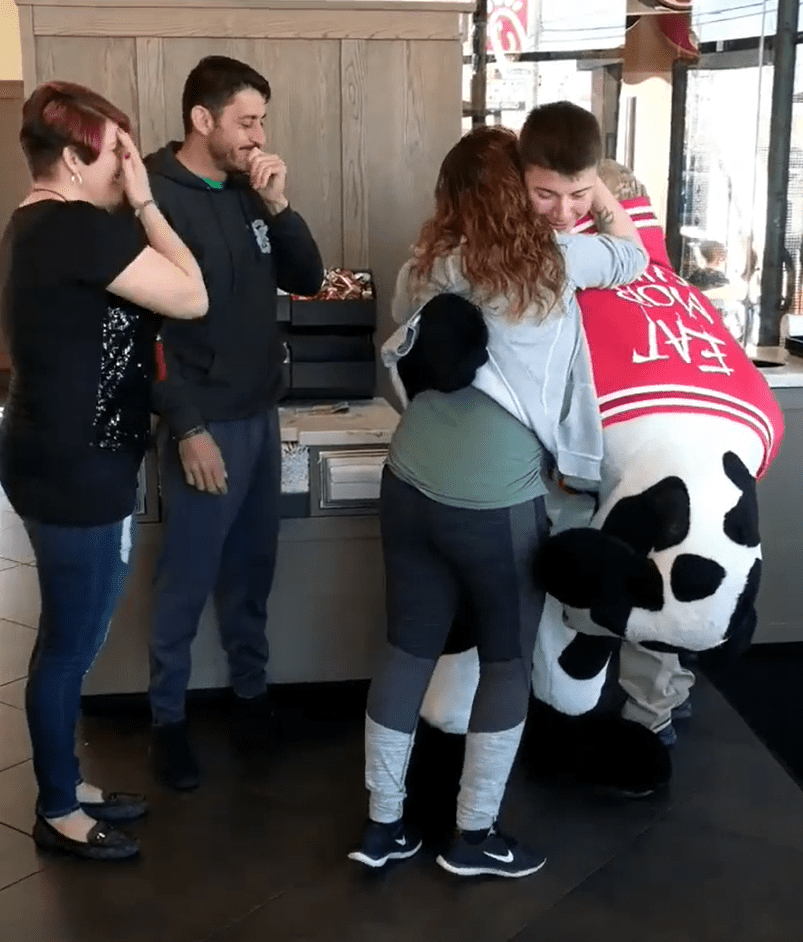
column 76, row 178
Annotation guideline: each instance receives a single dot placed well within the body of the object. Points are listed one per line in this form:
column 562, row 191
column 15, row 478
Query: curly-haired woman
column 462, row 506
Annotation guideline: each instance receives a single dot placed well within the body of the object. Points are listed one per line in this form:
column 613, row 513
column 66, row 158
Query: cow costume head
column 672, row 555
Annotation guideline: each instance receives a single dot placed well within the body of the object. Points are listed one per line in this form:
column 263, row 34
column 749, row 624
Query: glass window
column 514, row 87
column 601, row 25
column 514, row 90
column 714, row 20
column 794, row 196
column 724, row 207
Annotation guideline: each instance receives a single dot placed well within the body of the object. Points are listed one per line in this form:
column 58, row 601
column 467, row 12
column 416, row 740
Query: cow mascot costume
column 663, row 555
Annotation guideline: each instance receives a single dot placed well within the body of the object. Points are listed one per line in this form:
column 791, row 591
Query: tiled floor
column 258, row 853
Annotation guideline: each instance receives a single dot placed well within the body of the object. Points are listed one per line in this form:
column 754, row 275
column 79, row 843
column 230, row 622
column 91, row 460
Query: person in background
column 711, row 273
column 219, row 441
column 462, row 500
column 80, row 288
column 727, row 296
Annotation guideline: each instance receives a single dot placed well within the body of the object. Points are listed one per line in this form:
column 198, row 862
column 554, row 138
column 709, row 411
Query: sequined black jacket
column 228, row 365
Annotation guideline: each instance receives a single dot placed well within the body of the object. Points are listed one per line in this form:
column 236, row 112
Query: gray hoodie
column 538, row 368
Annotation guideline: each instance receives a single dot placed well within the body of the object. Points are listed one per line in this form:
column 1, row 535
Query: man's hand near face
column 268, row 175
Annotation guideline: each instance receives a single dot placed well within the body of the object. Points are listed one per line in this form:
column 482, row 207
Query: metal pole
column 613, row 94
column 479, row 65
column 677, row 157
column 778, row 171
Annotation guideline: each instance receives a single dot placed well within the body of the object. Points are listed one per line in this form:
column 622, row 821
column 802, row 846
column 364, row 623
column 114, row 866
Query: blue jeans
column 82, row 571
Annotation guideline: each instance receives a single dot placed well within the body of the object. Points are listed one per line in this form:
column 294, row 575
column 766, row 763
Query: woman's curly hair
column 483, row 209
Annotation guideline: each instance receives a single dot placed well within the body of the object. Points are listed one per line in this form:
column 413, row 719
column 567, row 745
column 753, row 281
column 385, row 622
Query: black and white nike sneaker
column 382, row 843
column 495, row 855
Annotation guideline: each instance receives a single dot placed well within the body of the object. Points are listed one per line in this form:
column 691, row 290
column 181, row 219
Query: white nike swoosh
column 401, row 841
column 507, row 858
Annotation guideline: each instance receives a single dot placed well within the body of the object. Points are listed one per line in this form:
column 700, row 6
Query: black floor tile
column 257, row 826
column 29, row 914
column 713, row 716
column 45, row 909
column 259, row 851
column 764, row 687
column 740, row 787
column 578, row 831
column 682, row 881
column 412, row 901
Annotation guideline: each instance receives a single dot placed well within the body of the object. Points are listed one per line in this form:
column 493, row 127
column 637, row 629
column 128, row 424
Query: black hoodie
column 228, row 365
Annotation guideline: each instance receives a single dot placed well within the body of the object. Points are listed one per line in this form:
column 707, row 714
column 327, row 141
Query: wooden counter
column 326, row 628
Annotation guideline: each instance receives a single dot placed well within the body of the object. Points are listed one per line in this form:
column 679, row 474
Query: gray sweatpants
column 433, row 554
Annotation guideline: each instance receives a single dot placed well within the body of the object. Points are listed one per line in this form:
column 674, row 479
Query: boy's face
column 563, row 200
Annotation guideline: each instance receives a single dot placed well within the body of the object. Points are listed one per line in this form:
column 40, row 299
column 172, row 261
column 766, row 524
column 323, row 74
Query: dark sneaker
column 667, row 735
column 683, row 711
column 384, row 842
column 497, row 856
column 173, row 760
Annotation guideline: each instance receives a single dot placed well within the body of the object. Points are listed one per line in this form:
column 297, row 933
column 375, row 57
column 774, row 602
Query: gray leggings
column 434, row 554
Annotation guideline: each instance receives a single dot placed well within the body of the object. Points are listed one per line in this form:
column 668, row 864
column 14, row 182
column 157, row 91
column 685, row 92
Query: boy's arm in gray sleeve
column 601, row 261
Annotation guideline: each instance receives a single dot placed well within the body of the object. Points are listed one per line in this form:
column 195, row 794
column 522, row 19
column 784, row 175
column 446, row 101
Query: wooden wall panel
column 303, row 124
column 151, row 94
column 356, row 195
column 363, row 125
column 389, row 6
column 107, row 66
column 14, row 176
column 266, row 24
column 413, row 118
column 28, row 48
column 179, row 57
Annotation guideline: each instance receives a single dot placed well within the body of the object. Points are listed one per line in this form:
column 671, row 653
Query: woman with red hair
column 80, row 288
column 462, row 504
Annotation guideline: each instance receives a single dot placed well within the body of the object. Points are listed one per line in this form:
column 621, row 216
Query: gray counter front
column 780, row 600
column 326, row 612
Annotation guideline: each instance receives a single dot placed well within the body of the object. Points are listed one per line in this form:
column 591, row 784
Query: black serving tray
column 316, row 313
column 794, row 345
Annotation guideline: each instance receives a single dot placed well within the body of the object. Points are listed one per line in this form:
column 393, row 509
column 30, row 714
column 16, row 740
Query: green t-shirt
column 214, row 184
column 464, row 449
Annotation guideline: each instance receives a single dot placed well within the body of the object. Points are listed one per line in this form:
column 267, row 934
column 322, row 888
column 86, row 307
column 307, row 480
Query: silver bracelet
column 138, row 209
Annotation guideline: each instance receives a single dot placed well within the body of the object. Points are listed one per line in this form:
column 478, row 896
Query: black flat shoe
column 117, row 806
column 103, row 842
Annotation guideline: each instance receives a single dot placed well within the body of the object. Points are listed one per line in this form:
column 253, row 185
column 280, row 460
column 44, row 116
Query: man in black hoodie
column 220, row 457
